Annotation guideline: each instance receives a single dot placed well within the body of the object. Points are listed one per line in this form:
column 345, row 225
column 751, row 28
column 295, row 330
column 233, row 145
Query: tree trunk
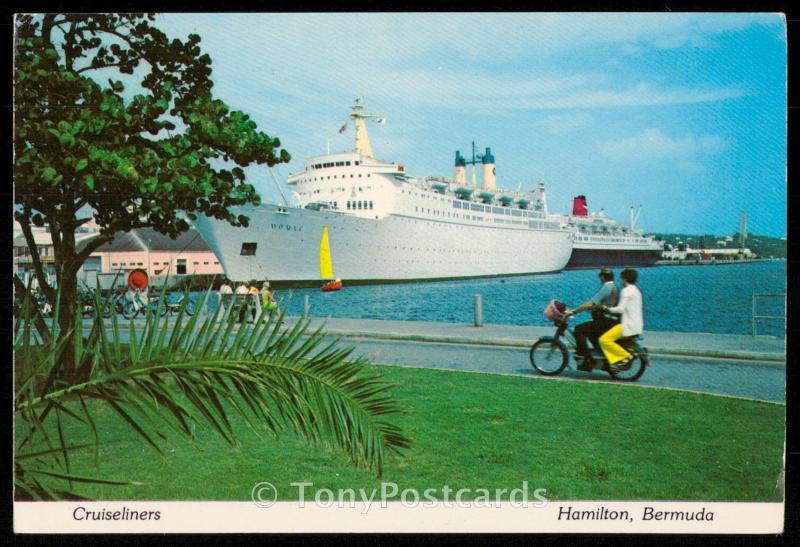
column 67, row 280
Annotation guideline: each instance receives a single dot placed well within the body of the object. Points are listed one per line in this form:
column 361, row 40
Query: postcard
column 400, row 272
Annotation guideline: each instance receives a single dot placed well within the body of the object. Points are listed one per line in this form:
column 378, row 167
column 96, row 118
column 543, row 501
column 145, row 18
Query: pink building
column 157, row 254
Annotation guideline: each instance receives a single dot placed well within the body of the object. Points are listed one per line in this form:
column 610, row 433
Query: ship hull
column 583, row 258
column 285, row 242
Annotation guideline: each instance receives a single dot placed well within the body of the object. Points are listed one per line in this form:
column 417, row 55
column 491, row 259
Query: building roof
column 143, row 239
column 42, row 237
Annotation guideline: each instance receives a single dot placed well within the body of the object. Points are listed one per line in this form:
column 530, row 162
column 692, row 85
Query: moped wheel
column 130, row 310
column 632, row 372
column 548, row 357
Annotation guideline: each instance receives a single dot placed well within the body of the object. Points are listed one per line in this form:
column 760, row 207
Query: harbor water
column 716, row 299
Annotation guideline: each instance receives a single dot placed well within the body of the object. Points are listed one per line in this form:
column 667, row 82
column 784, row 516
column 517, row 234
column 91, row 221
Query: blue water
column 714, row 299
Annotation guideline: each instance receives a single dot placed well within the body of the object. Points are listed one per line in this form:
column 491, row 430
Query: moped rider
column 601, row 322
column 632, row 323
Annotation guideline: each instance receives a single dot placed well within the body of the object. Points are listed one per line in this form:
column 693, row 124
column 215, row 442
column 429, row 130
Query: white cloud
column 308, row 56
column 652, row 144
column 564, row 123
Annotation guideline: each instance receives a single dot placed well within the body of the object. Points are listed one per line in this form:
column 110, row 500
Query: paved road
column 757, row 380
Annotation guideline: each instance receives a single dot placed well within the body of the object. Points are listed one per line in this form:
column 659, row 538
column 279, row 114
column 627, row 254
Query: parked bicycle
column 139, row 304
column 550, row 355
column 173, row 304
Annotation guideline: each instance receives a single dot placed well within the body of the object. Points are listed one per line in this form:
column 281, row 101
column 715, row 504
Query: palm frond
column 169, row 374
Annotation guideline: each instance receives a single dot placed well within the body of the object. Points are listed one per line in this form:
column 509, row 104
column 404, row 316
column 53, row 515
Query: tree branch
column 35, row 258
column 89, row 248
column 38, row 321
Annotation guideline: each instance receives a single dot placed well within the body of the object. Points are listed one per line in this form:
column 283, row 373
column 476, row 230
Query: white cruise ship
column 384, row 225
column 599, row 241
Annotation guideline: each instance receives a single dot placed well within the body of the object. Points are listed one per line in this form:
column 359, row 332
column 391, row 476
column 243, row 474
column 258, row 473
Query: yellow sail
column 325, row 263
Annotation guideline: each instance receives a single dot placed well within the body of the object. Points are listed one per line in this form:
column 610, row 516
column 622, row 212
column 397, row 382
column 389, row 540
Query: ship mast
column 358, row 115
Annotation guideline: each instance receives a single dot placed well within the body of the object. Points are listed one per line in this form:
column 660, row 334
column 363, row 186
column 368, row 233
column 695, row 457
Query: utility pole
column 742, row 230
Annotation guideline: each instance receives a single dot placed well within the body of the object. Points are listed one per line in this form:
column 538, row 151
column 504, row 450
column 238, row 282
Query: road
column 762, row 380
column 752, row 379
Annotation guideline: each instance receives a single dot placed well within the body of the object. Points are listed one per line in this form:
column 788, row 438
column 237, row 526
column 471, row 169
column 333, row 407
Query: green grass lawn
column 577, row 440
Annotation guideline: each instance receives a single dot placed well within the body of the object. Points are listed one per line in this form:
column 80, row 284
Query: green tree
column 116, row 121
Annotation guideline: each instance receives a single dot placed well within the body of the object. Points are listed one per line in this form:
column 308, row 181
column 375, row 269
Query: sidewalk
column 730, row 346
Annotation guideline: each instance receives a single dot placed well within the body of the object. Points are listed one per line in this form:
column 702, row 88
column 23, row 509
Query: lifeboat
column 330, row 286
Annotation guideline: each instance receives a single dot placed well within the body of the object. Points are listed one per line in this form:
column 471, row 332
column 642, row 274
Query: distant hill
column 764, row 246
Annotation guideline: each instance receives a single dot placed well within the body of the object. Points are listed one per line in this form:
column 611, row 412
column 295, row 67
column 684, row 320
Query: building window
column 197, row 263
column 370, row 204
column 181, row 268
column 248, row 249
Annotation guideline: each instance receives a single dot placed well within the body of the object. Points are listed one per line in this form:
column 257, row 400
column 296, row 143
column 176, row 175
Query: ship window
column 370, row 204
column 351, row 175
column 357, row 162
column 339, row 163
column 248, row 249
column 368, row 174
column 347, row 163
column 457, row 204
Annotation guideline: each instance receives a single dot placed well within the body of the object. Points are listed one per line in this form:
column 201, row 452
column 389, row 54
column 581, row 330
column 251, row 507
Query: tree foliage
column 115, row 120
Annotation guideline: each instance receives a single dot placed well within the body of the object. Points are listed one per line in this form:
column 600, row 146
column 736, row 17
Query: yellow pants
column 613, row 351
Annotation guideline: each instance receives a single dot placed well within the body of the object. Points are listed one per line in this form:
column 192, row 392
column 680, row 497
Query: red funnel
column 579, row 208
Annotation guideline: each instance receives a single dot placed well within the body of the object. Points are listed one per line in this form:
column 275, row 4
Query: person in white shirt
column 242, row 293
column 631, row 324
column 225, row 294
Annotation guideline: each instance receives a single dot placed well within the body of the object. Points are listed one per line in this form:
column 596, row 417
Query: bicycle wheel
column 549, row 357
column 130, row 310
column 108, row 309
column 191, row 305
column 630, row 373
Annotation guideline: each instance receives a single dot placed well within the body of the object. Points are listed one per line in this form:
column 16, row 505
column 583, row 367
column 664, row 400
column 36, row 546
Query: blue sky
column 684, row 114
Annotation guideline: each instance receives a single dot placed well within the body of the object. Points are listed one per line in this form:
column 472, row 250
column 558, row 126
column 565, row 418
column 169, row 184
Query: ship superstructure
column 600, row 241
column 387, row 225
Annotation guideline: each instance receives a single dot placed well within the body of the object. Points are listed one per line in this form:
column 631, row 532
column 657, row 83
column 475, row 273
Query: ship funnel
column 579, row 208
column 489, row 181
column 460, row 169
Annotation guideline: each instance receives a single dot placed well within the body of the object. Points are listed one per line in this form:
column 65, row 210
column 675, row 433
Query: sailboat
column 326, row 264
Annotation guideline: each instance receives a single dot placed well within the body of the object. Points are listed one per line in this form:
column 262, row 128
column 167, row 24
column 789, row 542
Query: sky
column 683, row 114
